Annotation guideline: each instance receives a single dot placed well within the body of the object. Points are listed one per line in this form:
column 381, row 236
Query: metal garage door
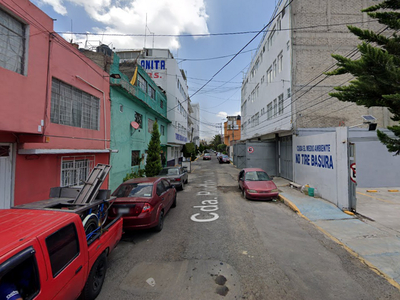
column 239, row 158
column 262, row 155
column 286, row 158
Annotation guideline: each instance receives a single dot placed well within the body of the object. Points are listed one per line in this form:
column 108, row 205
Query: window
column 288, row 93
column 274, row 69
column 262, row 79
column 278, row 24
column 73, row 107
column 256, row 119
column 135, row 158
column 288, row 45
column 150, row 124
column 63, row 248
column 269, row 111
column 160, row 188
column 269, row 75
column 280, row 62
column 151, row 92
column 161, row 104
column 162, row 128
column 121, row 108
column 22, row 271
column 12, row 43
column 275, row 107
column 139, row 119
column 142, row 83
column 280, row 104
column 75, row 170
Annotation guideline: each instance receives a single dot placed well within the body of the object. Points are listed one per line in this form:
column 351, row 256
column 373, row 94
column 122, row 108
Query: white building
column 285, row 88
column 195, row 117
column 161, row 66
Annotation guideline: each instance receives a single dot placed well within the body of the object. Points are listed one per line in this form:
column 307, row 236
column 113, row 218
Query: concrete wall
column 376, row 167
column 321, row 161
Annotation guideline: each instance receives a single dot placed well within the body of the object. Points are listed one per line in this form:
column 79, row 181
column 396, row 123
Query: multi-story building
column 161, row 66
column 232, row 132
column 195, row 117
column 55, row 108
column 285, row 88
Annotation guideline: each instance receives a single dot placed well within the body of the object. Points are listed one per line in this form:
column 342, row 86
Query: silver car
column 177, row 176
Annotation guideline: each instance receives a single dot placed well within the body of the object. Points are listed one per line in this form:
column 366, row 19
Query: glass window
column 151, row 92
column 275, row 107
column 150, row 124
column 280, row 104
column 75, row 170
column 63, row 248
column 20, row 273
column 12, row 43
column 135, row 158
column 160, row 188
column 134, row 190
column 139, row 119
column 161, row 104
column 73, row 107
column 142, row 83
column 162, row 128
column 257, row 176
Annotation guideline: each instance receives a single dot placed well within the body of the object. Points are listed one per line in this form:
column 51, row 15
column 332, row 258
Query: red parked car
column 143, row 202
column 256, row 184
column 207, row 156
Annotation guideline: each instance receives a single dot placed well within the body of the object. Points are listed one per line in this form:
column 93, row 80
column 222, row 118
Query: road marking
column 380, row 199
column 208, row 206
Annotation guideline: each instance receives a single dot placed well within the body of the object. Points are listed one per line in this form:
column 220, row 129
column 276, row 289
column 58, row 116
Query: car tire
column 243, row 194
column 91, row 223
column 174, row 203
column 96, row 277
column 160, row 224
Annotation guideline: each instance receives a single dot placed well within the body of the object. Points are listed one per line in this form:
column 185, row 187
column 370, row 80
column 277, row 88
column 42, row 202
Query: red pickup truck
column 46, row 255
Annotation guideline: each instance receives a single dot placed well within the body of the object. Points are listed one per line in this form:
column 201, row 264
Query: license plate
column 123, row 210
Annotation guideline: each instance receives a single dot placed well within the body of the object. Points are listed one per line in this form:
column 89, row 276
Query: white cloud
column 129, row 17
column 222, row 114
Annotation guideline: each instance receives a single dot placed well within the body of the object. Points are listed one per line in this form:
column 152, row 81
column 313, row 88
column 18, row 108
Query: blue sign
column 315, row 160
column 153, row 64
column 180, row 137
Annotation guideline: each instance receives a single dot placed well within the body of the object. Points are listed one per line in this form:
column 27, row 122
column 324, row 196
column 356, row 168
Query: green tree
column 221, row 148
column 153, row 161
column 376, row 72
column 201, row 148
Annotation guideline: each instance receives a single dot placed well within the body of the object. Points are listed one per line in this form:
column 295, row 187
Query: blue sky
column 221, row 97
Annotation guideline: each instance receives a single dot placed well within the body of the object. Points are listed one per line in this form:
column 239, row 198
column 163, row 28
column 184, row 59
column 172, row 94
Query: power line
column 212, row 34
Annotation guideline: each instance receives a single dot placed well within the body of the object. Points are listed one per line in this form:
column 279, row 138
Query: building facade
column 195, row 117
column 162, row 67
column 55, row 108
column 285, row 88
column 144, row 103
column 232, row 132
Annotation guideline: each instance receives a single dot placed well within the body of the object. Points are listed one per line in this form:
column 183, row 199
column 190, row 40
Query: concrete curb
column 293, row 207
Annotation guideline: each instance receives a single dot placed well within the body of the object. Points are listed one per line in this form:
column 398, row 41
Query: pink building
column 54, row 108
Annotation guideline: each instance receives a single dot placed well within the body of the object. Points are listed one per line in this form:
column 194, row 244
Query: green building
column 142, row 103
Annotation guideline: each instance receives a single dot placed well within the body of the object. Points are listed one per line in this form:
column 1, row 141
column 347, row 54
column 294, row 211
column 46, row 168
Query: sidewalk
column 374, row 244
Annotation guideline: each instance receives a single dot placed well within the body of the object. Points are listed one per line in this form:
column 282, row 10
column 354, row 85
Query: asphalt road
column 217, row 245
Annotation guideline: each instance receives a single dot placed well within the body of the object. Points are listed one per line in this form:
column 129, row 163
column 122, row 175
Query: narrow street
column 217, row 245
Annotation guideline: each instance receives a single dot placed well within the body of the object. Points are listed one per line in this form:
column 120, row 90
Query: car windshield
column 257, row 176
column 169, row 172
column 207, row 154
column 134, row 190
column 225, row 156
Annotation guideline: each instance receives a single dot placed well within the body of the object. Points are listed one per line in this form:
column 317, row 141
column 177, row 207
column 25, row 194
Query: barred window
column 73, row 107
column 74, row 170
column 162, row 129
column 12, row 43
column 135, row 158
column 142, row 83
column 139, row 119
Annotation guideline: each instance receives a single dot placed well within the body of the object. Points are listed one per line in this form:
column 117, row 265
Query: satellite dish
column 135, row 125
